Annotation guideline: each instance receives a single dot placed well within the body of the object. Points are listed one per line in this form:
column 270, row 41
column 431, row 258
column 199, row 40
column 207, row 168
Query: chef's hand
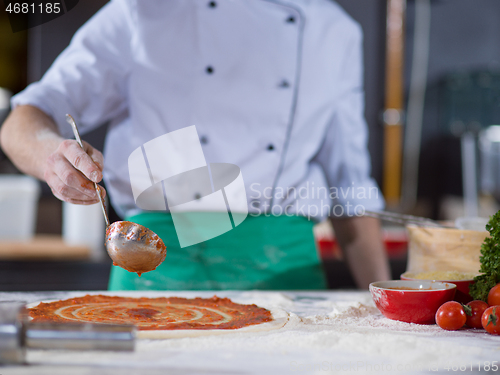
column 31, row 139
column 71, row 172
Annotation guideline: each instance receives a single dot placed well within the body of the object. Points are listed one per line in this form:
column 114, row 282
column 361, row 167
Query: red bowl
column 414, row 301
column 462, row 295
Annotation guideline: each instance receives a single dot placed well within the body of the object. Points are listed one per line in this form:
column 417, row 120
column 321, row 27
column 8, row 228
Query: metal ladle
column 130, row 245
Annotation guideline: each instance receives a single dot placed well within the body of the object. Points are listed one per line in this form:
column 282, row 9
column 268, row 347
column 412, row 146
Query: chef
column 272, row 87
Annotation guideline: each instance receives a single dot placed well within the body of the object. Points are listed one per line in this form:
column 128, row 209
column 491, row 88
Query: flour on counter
column 323, row 328
column 347, row 326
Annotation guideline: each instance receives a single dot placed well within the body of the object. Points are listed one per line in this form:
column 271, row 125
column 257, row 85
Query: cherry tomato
column 494, row 296
column 476, row 312
column 451, row 316
column 491, row 320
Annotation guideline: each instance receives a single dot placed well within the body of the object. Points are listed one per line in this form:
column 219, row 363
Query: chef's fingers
column 80, row 159
column 67, row 193
column 69, row 180
column 88, row 202
column 95, row 154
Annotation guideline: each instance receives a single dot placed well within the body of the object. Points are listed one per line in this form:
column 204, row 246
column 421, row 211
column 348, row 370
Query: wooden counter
column 42, row 247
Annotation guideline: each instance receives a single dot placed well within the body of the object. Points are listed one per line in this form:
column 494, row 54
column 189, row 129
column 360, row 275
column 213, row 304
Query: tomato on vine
column 474, row 311
column 451, row 316
column 491, row 320
column 494, row 296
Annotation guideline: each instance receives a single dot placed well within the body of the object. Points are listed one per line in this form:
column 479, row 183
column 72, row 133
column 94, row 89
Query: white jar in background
column 84, row 225
column 18, row 207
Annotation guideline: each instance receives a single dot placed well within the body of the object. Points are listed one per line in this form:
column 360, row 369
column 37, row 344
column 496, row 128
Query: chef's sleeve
column 344, row 154
column 88, row 79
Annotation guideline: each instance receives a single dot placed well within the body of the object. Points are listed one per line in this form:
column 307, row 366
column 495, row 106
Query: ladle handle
column 72, row 122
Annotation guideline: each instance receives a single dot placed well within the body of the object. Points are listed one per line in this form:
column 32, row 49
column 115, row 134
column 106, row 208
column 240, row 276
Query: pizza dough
column 162, row 318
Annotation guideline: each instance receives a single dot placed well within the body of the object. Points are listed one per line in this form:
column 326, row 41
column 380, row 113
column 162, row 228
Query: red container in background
column 395, row 241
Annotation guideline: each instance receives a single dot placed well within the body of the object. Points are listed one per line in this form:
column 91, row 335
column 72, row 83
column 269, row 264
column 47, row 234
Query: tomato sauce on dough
column 161, row 313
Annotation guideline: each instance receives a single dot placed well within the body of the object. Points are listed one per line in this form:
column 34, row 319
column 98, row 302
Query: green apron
column 263, row 252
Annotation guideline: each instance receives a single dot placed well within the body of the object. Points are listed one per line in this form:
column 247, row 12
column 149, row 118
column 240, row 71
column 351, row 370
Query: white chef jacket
column 274, row 87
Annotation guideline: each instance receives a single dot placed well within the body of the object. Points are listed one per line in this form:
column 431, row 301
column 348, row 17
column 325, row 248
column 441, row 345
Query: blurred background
column 432, row 84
